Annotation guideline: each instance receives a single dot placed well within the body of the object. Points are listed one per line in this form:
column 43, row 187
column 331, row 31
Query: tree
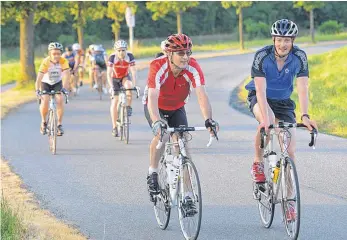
column 309, row 7
column 161, row 9
column 84, row 11
column 23, row 12
column 239, row 6
column 116, row 11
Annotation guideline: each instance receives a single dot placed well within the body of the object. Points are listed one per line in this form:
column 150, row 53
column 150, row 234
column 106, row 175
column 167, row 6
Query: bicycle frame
column 182, row 156
column 284, row 154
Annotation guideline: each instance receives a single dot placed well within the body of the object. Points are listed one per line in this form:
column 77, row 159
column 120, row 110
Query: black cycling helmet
column 68, row 48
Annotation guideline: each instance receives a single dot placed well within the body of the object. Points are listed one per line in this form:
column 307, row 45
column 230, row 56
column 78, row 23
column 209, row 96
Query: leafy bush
column 66, row 40
column 331, row 27
column 256, row 29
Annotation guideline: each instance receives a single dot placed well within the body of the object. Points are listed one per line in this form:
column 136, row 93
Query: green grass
column 10, row 71
column 11, row 225
column 328, row 89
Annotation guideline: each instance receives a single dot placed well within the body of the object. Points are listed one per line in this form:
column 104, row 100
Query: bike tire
column 161, row 205
column 191, row 235
column 52, row 134
column 120, row 126
column 292, row 227
column 126, row 125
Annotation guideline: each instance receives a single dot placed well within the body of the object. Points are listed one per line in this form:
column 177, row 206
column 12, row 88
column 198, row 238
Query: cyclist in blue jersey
column 273, row 71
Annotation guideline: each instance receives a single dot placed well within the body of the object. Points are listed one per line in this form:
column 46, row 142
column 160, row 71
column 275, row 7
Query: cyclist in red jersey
column 118, row 67
column 170, row 80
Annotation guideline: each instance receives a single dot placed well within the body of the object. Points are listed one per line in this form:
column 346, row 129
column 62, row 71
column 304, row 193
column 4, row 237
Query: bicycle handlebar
column 128, row 89
column 313, row 133
column 52, row 93
column 185, row 129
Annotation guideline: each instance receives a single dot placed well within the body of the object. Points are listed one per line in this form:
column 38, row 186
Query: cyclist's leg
column 255, row 109
column 91, row 76
column 80, row 74
column 128, row 84
column 44, row 102
column 60, row 102
column 154, row 153
column 114, row 103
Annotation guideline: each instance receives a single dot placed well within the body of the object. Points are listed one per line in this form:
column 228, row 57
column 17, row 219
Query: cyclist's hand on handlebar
column 38, row 94
column 211, row 125
column 66, row 92
column 158, row 126
column 264, row 124
column 309, row 123
column 111, row 91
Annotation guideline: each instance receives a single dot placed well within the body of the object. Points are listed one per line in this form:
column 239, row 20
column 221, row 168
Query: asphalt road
column 97, row 183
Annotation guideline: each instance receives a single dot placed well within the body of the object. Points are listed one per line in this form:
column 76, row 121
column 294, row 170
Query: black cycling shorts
column 55, row 87
column 283, row 109
column 175, row 118
column 118, row 83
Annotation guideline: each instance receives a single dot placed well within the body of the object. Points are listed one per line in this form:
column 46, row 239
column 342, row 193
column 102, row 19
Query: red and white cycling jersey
column 174, row 92
column 121, row 67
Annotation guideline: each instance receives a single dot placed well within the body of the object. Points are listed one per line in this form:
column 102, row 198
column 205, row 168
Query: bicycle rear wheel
column 126, row 125
column 291, row 198
column 52, row 132
column 189, row 183
column 162, row 209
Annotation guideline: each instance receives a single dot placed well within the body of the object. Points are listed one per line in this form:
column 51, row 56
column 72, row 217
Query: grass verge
column 327, row 91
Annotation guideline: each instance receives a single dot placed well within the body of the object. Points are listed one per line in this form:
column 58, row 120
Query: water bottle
column 272, row 162
column 169, row 169
column 276, row 172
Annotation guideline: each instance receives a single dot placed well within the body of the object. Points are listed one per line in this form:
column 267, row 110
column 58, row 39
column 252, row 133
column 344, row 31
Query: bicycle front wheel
column 291, row 198
column 189, row 201
column 266, row 203
column 52, row 132
column 126, row 125
column 121, row 122
column 162, row 207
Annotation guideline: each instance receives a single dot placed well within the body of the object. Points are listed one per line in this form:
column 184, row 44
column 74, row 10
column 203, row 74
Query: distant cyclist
column 88, row 61
column 162, row 47
column 53, row 75
column 72, row 57
column 99, row 61
column 80, row 61
column 120, row 63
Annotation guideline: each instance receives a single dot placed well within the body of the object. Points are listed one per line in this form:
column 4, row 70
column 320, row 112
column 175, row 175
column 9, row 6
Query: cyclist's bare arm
column 260, row 86
column 77, row 62
column 153, row 109
column 302, row 86
column 133, row 74
column 109, row 76
column 66, row 78
column 204, row 102
column 38, row 80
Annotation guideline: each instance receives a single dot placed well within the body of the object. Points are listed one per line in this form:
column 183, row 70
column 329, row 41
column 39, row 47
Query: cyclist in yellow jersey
column 54, row 75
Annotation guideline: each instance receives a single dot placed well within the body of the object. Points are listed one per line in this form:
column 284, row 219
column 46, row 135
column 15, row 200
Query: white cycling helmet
column 91, row 47
column 76, row 47
column 120, row 44
column 55, row 45
column 284, row 28
column 98, row 48
column 162, row 45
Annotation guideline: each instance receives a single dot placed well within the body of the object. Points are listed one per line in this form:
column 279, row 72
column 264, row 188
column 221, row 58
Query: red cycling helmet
column 178, row 42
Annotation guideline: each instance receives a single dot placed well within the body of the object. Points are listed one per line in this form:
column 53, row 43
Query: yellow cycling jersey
column 53, row 71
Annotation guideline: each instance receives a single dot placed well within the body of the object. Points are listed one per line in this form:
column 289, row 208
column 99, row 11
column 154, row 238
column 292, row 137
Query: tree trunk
column 80, row 24
column 312, row 25
column 80, row 35
column 241, row 30
column 179, row 23
column 115, row 29
column 27, row 57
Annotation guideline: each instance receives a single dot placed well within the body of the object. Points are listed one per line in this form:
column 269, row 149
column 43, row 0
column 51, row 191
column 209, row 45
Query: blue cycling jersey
column 279, row 84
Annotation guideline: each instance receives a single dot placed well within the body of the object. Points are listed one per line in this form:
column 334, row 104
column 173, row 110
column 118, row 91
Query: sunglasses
column 182, row 53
